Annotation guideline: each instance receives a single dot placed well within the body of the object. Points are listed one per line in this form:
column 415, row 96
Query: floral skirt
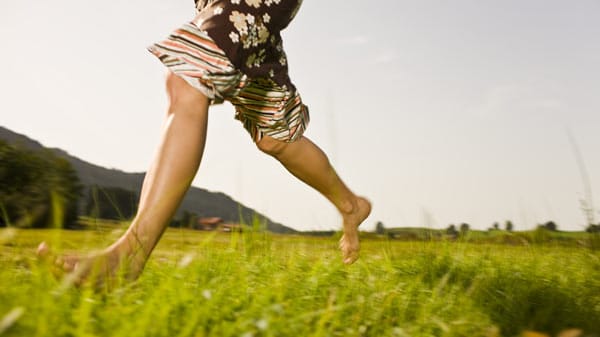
column 264, row 107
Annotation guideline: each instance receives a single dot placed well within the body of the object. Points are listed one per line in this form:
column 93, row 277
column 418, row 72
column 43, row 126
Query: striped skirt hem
column 263, row 107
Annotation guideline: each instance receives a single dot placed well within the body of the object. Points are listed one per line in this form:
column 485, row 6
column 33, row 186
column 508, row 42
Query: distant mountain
column 196, row 200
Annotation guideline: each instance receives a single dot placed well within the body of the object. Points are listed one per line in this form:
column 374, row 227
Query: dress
column 232, row 50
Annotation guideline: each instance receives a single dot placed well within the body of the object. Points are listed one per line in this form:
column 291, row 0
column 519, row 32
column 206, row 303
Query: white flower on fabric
column 268, row 2
column 218, row 10
column 235, row 38
column 246, row 41
column 239, row 21
column 260, row 58
column 266, row 18
column 250, row 18
column 235, row 2
column 255, row 60
column 253, row 3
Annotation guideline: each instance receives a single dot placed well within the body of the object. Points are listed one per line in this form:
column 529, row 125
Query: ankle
column 348, row 207
column 124, row 246
column 122, row 254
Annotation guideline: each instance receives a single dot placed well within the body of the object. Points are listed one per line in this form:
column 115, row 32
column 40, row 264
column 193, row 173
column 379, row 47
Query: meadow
column 255, row 284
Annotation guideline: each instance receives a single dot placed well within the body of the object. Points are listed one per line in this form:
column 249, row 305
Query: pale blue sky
column 439, row 111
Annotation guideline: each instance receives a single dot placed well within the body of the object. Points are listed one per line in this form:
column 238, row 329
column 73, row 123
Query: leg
column 308, row 162
column 174, row 166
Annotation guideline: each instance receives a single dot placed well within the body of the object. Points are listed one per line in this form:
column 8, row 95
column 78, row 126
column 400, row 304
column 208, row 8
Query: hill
column 196, row 200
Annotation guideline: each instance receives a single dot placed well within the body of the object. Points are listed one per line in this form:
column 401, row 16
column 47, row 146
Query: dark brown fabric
column 248, row 31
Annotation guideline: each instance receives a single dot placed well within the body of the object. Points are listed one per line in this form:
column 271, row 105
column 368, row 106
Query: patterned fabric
column 194, row 56
column 270, row 110
column 248, row 31
column 263, row 106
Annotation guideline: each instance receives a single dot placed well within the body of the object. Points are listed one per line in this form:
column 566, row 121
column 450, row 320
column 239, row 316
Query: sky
column 440, row 112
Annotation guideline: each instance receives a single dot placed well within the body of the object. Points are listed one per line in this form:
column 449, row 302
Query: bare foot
column 101, row 268
column 349, row 243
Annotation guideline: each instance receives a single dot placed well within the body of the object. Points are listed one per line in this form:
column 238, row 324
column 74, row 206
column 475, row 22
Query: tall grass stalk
column 260, row 284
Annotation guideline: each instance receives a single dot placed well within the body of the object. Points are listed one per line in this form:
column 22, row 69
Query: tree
column 379, row 228
column 464, row 229
column 508, row 226
column 593, row 228
column 188, row 220
column 496, row 226
column 551, row 226
column 111, row 203
column 451, row 230
column 69, row 188
column 37, row 188
column 19, row 193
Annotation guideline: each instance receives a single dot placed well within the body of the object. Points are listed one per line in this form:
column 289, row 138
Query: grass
column 257, row 284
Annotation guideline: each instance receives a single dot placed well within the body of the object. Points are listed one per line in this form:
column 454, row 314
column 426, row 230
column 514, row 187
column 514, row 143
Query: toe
column 351, row 257
column 349, row 253
column 43, row 251
column 68, row 263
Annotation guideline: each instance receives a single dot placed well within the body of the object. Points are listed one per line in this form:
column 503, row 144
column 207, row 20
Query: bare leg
column 309, row 163
column 174, row 166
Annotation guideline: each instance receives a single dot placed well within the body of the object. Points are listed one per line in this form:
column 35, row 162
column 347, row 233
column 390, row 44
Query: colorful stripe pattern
column 195, row 57
column 263, row 107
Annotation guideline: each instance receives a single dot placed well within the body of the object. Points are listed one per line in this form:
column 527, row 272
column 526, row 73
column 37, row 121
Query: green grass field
column 257, row 284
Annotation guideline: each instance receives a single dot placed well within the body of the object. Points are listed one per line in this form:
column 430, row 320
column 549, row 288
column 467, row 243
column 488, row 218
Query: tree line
column 39, row 189
column 461, row 230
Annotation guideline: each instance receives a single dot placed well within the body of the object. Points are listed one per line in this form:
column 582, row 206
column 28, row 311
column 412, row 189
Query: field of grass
column 257, row 284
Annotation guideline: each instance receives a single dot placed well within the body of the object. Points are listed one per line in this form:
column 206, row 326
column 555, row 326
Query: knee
column 271, row 146
column 181, row 92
